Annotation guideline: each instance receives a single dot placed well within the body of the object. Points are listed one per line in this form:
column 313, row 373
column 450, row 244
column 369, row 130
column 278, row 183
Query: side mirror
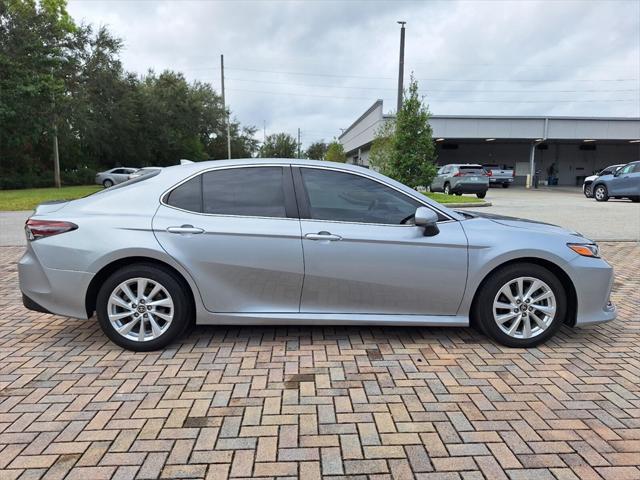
column 427, row 218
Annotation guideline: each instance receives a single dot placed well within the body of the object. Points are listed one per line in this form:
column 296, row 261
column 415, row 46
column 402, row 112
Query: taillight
column 457, row 174
column 36, row 229
column 513, row 172
column 489, row 173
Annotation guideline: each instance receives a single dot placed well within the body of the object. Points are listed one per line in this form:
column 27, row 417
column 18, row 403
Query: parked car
column 624, row 183
column 499, row 174
column 112, row 177
column 143, row 171
column 586, row 186
column 286, row 242
column 459, row 179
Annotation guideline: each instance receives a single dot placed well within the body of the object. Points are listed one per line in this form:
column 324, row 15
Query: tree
column 335, row 153
column 279, row 145
column 404, row 150
column 317, row 150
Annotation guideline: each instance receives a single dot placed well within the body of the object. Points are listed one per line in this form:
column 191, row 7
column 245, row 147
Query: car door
column 237, row 233
column 625, row 180
column 360, row 258
column 436, row 184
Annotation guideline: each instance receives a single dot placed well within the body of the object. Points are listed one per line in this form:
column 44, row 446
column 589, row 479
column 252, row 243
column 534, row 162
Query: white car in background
column 112, row 177
column 610, row 170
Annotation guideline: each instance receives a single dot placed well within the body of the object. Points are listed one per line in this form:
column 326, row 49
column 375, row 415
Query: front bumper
column 50, row 290
column 593, row 281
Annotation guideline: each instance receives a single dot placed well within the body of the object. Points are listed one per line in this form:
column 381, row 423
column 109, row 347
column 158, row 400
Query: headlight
column 585, row 249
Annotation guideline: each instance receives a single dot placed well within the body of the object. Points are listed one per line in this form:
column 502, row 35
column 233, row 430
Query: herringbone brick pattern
column 310, row 402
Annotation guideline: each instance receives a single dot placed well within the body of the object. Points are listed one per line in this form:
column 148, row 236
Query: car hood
column 525, row 223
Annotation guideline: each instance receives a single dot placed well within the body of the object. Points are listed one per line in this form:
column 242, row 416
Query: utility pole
column 56, row 155
column 401, row 67
column 299, row 142
column 224, row 105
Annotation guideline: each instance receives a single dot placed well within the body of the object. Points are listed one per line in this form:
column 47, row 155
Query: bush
column 78, row 176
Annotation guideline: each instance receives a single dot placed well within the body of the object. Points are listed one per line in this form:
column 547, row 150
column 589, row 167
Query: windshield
column 147, row 174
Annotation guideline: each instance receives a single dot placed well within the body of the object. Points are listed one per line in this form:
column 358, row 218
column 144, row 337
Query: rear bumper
column 469, row 188
column 500, row 180
column 51, row 290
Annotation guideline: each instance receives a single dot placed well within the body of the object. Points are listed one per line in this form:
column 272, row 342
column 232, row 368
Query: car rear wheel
column 107, row 183
column 143, row 307
column 447, row 189
column 481, row 195
column 588, row 192
column 521, row 305
column 601, row 194
column 505, row 185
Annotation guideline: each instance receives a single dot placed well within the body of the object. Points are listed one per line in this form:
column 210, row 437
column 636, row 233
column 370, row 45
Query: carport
column 575, row 146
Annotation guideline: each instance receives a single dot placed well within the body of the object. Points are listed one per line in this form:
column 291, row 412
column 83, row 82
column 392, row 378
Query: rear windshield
column 494, row 166
column 471, row 170
column 141, row 178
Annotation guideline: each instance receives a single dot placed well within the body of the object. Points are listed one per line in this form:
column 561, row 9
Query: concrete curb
column 466, row 205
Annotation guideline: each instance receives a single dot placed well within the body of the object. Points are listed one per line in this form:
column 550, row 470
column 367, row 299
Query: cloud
column 318, row 65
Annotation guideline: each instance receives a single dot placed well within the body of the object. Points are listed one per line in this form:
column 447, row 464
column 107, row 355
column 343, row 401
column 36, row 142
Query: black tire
column 182, row 308
column 505, row 185
column 447, row 189
column 635, row 199
column 588, row 191
column 107, row 183
column 459, row 194
column 481, row 195
column 600, row 193
column 482, row 310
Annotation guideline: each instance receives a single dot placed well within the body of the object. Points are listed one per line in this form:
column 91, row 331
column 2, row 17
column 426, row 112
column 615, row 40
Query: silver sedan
column 302, row 242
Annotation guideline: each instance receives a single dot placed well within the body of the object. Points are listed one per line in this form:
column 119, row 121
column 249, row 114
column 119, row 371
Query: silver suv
column 459, row 179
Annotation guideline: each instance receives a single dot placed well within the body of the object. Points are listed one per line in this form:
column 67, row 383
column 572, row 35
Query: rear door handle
column 185, row 229
column 323, row 236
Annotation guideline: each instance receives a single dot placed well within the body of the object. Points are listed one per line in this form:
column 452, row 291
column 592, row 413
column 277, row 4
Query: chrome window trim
column 285, row 164
column 225, row 215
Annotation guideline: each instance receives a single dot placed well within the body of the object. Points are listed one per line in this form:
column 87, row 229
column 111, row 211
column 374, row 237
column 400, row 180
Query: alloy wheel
column 599, row 193
column 140, row 309
column 524, row 307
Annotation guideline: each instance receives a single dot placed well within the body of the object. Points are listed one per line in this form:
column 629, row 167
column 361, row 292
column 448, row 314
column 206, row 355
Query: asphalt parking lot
column 568, row 207
column 308, row 402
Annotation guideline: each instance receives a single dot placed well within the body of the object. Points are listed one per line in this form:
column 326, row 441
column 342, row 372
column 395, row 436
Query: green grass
column 444, row 198
column 28, row 198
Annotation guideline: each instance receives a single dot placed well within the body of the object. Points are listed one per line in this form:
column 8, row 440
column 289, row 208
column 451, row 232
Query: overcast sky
column 318, row 65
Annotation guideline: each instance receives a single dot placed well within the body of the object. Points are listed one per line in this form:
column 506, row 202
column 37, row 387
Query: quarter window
column 344, row 197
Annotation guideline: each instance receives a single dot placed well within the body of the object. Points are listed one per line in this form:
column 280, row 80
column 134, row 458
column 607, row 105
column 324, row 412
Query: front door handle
column 185, row 229
column 327, row 236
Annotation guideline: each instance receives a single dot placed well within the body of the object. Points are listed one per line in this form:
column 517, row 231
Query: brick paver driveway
column 268, row 402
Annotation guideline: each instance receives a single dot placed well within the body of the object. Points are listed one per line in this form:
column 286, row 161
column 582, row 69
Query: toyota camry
column 280, row 242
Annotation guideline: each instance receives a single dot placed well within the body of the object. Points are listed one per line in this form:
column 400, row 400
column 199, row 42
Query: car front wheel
column 521, row 305
column 481, row 195
column 601, row 194
column 143, row 307
column 447, row 189
column 107, row 183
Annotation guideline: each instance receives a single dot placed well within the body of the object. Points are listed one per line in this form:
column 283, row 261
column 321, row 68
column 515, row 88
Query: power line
column 432, row 79
column 352, row 87
column 432, row 98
